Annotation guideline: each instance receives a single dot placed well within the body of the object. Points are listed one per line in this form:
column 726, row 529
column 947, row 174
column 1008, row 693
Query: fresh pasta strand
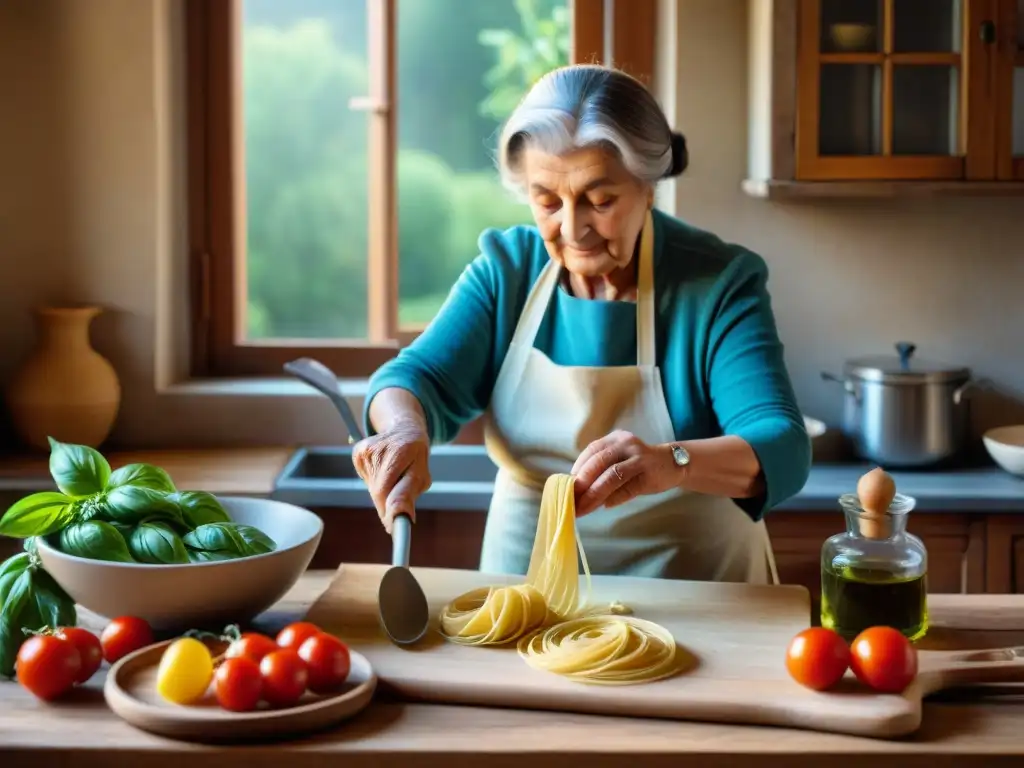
column 556, row 630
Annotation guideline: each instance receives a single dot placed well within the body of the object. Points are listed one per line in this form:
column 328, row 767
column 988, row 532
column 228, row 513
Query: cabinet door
column 882, row 89
column 1010, row 78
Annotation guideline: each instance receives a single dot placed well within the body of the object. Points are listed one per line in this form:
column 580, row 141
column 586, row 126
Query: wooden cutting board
column 736, row 635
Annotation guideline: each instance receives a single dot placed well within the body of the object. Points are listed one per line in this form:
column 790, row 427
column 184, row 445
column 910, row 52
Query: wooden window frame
column 216, row 192
column 1010, row 56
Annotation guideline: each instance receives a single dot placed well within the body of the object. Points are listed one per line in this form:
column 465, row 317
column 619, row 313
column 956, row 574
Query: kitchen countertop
column 956, row 733
column 973, row 489
column 245, row 471
column 256, row 472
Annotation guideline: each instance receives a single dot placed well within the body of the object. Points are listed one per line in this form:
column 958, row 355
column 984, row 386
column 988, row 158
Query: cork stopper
column 876, row 490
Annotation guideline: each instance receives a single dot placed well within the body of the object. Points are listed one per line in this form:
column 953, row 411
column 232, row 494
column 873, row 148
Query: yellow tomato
column 185, row 671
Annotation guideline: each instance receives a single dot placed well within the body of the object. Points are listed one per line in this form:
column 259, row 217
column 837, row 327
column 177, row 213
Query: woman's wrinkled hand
column 620, row 467
column 395, row 467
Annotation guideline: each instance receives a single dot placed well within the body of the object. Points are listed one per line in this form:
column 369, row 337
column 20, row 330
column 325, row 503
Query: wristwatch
column 680, row 456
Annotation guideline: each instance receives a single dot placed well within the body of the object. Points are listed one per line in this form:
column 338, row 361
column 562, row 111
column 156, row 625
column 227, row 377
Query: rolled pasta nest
column 554, row 629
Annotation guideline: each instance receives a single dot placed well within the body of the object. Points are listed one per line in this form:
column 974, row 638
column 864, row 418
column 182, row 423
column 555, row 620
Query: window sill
column 258, row 387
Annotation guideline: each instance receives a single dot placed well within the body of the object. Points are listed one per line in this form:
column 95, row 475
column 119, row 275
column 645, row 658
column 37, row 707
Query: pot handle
column 847, row 385
column 965, row 389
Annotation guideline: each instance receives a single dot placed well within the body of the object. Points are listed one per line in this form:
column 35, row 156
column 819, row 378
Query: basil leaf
column 15, row 564
column 256, row 541
column 199, row 508
column 77, row 469
column 7, row 582
column 125, row 529
column 220, row 538
column 132, row 504
column 142, row 476
column 202, row 556
column 154, row 541
column 50, row 605
column 15, row 592
column 95, row 540
column 37, row 515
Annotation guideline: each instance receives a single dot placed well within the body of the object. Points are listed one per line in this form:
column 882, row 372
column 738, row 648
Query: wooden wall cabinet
column 886, row 97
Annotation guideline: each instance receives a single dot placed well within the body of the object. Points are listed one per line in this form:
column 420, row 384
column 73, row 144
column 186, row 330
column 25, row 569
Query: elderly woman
column 611, row 341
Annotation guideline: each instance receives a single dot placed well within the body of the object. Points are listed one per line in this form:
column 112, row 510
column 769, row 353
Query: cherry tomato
column 89, row 649
column 124, row 635
column 251, row 645
column 296, row 634
column 238, row 684
column 817, row 658
column 883, row 659
column 328, row 661
column 284, row 677
column 48, row 666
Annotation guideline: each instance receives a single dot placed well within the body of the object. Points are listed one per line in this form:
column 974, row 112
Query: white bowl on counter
column 1006, row 447
column 197, row 595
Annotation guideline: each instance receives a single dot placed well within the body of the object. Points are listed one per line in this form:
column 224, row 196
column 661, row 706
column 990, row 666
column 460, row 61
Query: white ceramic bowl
column 199, row 595
column 1006, row 447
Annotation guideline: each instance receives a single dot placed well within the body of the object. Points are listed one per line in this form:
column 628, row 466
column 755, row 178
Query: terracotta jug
column 65, row 390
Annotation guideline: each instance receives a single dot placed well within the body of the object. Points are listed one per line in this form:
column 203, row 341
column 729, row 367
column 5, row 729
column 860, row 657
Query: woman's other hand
column 620, row 467
column 394, row 464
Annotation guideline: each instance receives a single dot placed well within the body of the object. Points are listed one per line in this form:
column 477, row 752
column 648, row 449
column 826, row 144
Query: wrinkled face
column 588, row 207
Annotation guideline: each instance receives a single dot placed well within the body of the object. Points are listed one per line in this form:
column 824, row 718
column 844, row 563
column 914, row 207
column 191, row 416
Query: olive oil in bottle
column 875, row 573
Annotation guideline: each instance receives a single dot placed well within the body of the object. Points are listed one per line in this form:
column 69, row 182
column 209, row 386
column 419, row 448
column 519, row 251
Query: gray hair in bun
column 585, row 105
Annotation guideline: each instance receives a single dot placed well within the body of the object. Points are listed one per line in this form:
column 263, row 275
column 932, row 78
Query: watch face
column 680, row 456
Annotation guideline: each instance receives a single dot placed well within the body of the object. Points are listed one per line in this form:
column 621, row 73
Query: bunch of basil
column 29, row 599
column 132, row 515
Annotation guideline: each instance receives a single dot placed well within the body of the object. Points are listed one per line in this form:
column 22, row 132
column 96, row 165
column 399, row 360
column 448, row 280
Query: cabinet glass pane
column 1018, row 112
column 925, row 110
column 850, row 110
column 851, row 25
column 926, row 26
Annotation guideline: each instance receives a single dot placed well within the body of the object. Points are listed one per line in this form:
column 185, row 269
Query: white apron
column 541, row 417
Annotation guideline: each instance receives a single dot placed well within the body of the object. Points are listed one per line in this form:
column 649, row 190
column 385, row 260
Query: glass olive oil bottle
column 875, row 573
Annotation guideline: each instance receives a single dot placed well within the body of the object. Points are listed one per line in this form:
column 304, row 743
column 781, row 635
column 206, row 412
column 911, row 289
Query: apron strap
column 645, row 352
column 536, row 305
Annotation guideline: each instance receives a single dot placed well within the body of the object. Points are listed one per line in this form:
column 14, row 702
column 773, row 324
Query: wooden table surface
column 82, row 732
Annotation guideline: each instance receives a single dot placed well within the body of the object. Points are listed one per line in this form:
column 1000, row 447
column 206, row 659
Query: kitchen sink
column 324, row 476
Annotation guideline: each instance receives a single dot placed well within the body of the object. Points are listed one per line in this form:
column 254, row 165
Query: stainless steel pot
column 904, row 412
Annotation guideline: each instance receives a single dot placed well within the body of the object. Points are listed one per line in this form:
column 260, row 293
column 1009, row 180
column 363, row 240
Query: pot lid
column 904, row 368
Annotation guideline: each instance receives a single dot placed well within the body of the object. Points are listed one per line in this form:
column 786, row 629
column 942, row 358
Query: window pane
column 851, row 25
column 851, row 110
column 305, row 166
column 925, row 111
column 462, row 66
column 926, row 26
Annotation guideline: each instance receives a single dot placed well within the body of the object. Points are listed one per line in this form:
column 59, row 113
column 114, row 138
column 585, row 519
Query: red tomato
column 89, row 649
column 251, row 645
column 883, row 659
column 48, row 666
column 328, row 661
column 284, row 677
column 124, row 635
column 296, row 634
column 238, row 685
column 817, row 658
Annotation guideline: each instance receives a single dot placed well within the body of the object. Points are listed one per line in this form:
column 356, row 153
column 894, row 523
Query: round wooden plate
column 130, row 691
